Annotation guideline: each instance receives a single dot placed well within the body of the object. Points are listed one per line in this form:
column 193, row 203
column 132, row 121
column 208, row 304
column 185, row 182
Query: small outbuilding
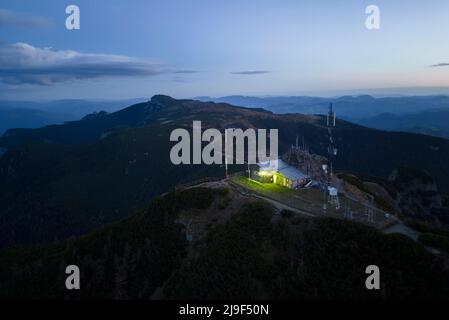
column 280, row 173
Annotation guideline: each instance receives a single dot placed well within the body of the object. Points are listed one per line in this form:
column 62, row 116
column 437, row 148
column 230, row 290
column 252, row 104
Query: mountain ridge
column 106, row 172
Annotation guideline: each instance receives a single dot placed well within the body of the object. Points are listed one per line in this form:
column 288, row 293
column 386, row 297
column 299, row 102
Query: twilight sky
column 187, row 48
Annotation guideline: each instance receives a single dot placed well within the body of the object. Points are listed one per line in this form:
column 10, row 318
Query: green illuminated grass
column 258, row 186
column 304, row 199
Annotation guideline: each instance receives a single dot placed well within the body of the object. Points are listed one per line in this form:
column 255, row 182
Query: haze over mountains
column 433, row 122
column 419, row 114
column 347, row 107
column 30, row 114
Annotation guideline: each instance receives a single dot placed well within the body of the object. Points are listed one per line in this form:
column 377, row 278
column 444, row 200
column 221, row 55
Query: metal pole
column 226, row 156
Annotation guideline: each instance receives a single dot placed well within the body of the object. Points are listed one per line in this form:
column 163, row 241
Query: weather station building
column 280, row 173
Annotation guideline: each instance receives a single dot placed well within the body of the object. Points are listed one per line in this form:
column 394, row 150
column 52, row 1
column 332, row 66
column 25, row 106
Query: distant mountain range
column 30, row 114
column 351, row 108
column 419, row 114
column 432, row 122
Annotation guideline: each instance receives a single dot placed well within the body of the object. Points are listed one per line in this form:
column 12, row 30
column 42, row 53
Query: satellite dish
column 333, row 191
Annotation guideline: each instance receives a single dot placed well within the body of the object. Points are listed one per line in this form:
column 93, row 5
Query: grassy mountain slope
column 80, row 178
column 55, row 191
column 90, row 128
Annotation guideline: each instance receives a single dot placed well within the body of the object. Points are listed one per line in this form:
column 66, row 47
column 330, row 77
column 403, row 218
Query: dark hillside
column 82, row 175
column 253, row 254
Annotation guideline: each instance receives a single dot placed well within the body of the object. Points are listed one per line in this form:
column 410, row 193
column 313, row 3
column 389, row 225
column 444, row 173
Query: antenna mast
column 331, row 150
column 332, row 195
column 226, row 156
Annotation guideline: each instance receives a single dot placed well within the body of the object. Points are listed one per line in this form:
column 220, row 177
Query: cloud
column 250, row 72
column 22, row 20
column 180, row 79
column 21, row 63
column 186, row 71
column 444, row 64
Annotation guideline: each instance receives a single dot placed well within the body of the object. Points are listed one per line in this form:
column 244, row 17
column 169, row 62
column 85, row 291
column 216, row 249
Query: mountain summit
column 92, row 172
